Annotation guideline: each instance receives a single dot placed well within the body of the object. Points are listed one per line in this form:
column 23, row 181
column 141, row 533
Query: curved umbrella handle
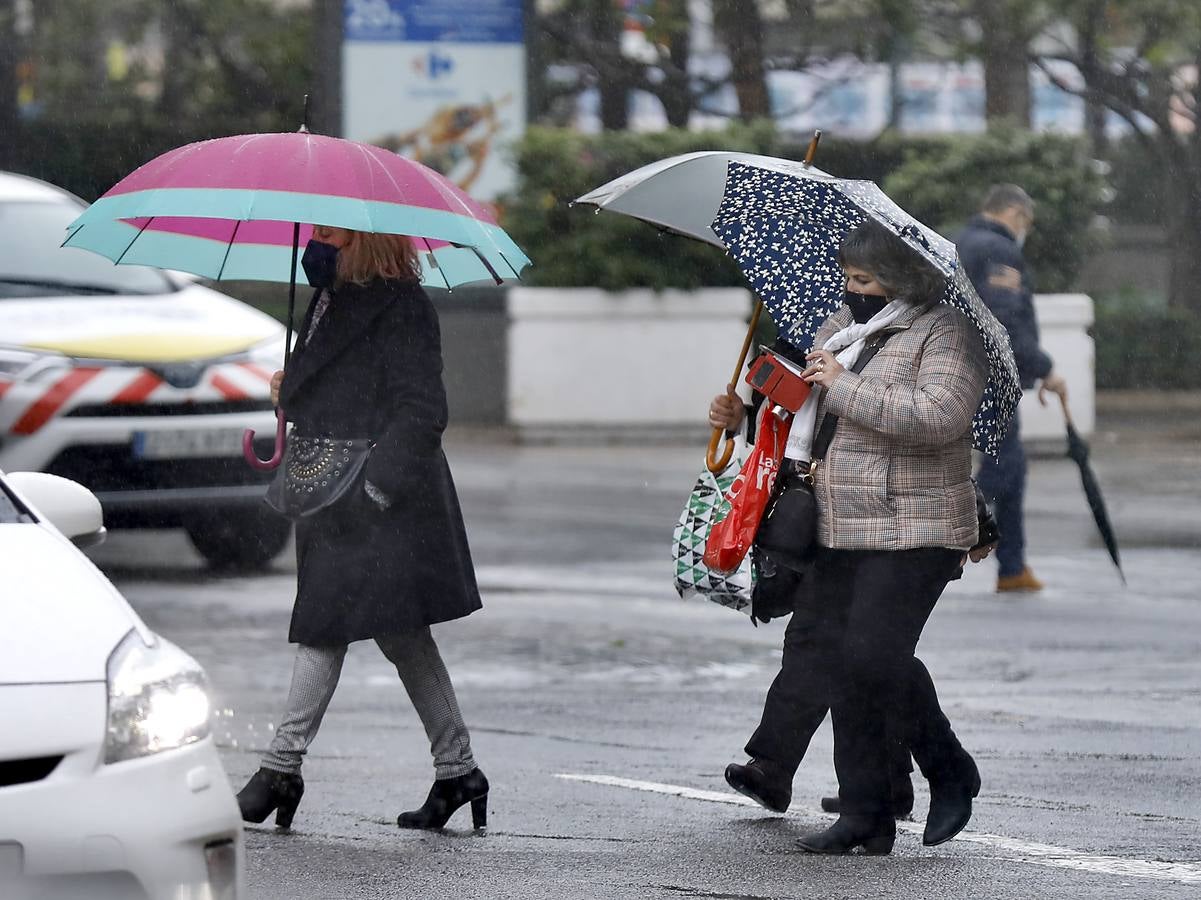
column 712, row 461
column 281, row 440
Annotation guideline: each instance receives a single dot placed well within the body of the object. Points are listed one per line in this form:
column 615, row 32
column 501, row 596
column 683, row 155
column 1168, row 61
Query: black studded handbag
column 316, row 473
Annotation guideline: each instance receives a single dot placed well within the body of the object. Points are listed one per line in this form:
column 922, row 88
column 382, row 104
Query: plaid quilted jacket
column 897, row 474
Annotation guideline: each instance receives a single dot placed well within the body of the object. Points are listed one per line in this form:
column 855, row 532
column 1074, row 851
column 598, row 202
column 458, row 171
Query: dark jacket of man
column 990, row 255
column 373, row 369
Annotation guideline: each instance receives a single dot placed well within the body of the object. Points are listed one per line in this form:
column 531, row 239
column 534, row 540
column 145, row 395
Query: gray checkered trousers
column 419, row 664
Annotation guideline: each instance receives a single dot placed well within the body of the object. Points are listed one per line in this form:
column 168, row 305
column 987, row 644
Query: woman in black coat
column 389, row 558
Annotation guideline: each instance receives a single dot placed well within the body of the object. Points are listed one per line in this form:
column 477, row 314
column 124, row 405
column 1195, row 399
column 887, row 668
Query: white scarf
column 846, row 346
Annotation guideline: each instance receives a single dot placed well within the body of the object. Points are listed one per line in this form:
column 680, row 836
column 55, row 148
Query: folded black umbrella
column 1078, row 450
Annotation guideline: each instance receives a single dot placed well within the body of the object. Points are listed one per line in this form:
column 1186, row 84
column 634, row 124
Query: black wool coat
column 374, row 369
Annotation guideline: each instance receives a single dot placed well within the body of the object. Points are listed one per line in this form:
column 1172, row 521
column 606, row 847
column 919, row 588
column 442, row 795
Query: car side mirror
column 65, row 504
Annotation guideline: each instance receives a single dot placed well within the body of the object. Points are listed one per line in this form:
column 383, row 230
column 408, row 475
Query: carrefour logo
column 374, row 20
column 433, row 65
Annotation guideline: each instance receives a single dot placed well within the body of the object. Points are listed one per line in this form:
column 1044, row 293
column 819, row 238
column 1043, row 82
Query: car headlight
column 158, row 699
column 25, row 365
column 14, row 362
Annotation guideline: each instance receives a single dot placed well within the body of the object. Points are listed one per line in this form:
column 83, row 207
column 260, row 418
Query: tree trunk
column 675, row 93
column 536, row 101
column 1184, row 244
column 614, row 103
column 1005, row 55
column 613, row 81
column 1184, row 282
column 178, row 70
column 325, row 100
column 741, row 29
column 9, row 57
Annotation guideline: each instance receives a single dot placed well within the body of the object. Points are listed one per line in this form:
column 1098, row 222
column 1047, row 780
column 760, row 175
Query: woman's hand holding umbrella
column 726, row 412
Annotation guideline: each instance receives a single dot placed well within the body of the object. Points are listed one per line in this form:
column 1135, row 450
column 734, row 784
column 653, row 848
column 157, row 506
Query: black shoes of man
column 764, row 782
column 951, row 797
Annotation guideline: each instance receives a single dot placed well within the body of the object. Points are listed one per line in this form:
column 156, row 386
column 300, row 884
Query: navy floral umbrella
column 784, row 229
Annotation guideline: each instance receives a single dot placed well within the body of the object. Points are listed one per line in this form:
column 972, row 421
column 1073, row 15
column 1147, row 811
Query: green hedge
column 1147, row 349
column 90, row 153
column 943, row 180
column 940, row 180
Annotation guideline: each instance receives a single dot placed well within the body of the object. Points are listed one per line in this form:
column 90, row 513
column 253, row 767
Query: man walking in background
column 990, row 248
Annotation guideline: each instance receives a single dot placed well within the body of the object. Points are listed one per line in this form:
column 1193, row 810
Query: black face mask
column 320, row 263
column 863, row 306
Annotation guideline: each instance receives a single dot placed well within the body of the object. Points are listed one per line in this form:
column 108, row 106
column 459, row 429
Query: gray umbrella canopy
column 682, row 193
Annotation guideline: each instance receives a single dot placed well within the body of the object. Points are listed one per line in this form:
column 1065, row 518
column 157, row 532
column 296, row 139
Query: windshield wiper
column 58, row 285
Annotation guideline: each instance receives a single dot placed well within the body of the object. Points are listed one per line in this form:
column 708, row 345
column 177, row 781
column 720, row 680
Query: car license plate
column 12, row 860
column 191, row 443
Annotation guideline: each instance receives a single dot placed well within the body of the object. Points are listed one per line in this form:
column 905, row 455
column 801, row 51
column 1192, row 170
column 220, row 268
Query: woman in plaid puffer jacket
column 896, row 516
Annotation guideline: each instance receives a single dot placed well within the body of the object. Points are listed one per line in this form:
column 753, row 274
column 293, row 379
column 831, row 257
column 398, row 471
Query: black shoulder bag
column 316, row 473
column 788, row 530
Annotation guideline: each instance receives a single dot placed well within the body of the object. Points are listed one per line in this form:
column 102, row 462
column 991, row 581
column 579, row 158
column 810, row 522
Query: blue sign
column 458, row 21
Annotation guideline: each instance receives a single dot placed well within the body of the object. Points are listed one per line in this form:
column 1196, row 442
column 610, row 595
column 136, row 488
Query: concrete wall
column 642, row 361
column 563, row 364
column 1064, row 321
column 475, row 356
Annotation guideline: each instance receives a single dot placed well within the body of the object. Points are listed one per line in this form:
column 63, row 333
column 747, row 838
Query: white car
column 110, row 785
column 134, row 382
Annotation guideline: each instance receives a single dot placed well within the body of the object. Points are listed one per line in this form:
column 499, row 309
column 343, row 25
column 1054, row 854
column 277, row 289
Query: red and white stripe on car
column 26, row 407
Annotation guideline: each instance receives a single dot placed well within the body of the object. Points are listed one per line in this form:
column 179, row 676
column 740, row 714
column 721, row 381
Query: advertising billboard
column 439, row 81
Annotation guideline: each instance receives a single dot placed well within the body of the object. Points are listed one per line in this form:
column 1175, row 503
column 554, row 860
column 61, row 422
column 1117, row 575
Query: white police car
column 110, row 784
column 134, row 382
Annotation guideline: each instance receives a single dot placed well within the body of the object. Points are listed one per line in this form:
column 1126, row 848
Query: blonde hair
column 368, row 255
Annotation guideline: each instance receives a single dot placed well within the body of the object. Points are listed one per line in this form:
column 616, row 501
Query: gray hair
column 1001, row 197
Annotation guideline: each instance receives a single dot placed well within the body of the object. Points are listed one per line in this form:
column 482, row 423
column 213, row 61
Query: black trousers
column 817, row 665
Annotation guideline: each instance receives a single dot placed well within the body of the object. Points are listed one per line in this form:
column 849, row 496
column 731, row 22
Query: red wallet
column 779, row 380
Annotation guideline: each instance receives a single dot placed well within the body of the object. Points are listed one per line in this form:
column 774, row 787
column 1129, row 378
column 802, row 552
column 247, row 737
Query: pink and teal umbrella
column 225, row 209
column 240, row 208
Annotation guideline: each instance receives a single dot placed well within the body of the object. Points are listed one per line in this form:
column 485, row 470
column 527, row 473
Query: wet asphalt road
column 1082, row 705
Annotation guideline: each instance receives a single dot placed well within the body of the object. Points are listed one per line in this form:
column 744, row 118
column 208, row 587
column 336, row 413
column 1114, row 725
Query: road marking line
column 1009, row 848
column 673, row 790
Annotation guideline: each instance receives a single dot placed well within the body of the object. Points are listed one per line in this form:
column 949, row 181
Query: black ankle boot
column 902, row 802
column 764, row 782
column 267, row 790
column 875, row 834
column 446, row 796
column 951, row 803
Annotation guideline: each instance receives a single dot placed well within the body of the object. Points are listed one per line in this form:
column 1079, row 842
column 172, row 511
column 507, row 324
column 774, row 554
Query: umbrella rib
column 117, row 261
column 488, row 266
column 512, row 268
column 74, row 231
column 441, row 272
column 233, row 237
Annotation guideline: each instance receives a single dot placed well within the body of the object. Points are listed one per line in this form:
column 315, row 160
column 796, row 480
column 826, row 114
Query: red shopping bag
column 730, row 539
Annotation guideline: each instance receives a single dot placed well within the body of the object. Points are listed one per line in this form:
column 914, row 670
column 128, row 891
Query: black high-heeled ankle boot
column 951, row 796
column 875, row 834
column 445, row 797
column 269, row 790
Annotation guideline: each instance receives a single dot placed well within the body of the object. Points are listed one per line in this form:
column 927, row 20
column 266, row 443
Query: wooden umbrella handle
column 812, row 151
column 714, row 463
column 717, row 464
